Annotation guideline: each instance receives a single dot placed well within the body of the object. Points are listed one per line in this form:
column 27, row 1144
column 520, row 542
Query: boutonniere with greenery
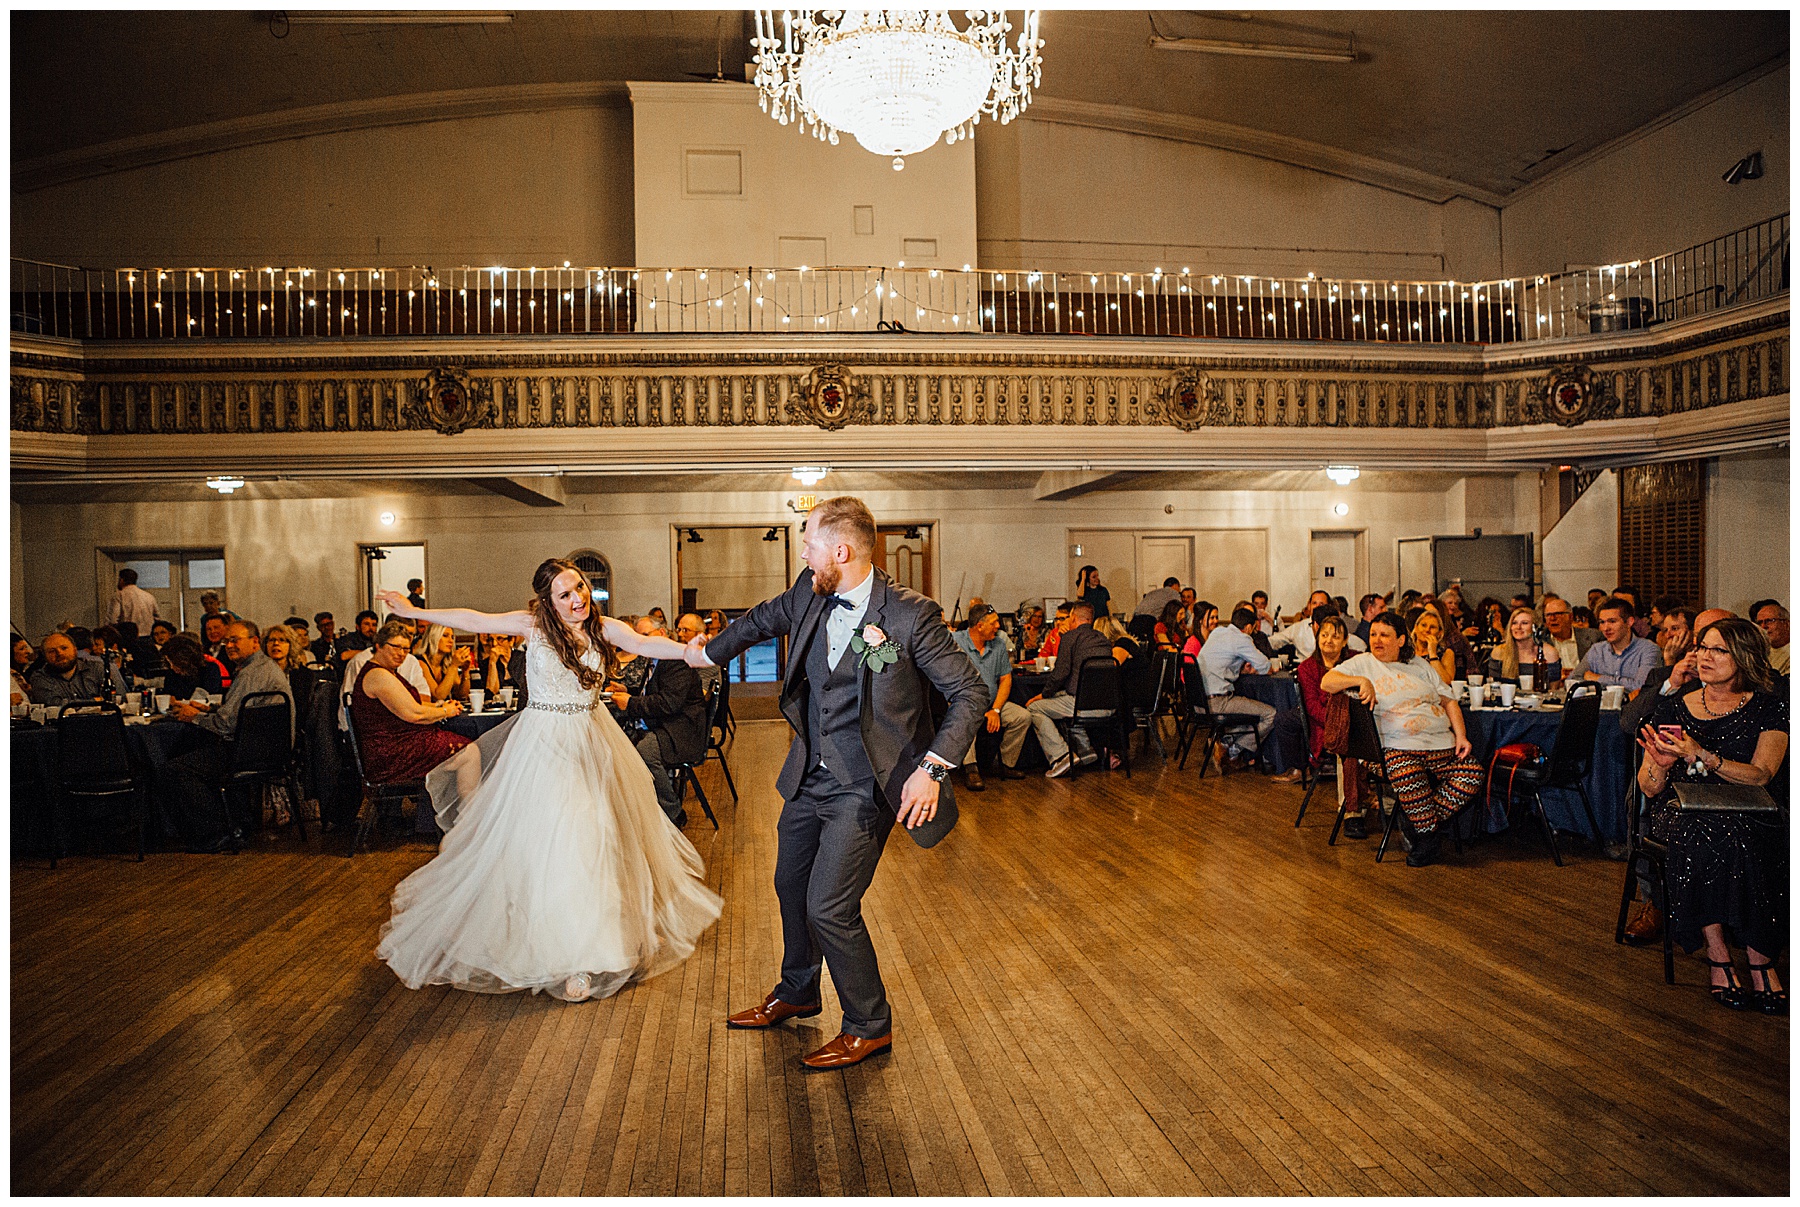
column 874, row 648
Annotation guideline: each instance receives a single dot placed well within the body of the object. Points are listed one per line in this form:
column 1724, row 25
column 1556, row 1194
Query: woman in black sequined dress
column 1727, row 871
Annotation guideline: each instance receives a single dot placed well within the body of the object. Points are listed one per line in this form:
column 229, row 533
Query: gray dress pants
column 830, row 841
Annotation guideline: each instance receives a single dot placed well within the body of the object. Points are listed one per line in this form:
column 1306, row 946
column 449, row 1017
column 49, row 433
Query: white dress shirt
column 841, row 623
column 135, row 604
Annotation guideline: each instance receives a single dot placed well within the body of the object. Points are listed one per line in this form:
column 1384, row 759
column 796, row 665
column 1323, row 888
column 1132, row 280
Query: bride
column 558, row 871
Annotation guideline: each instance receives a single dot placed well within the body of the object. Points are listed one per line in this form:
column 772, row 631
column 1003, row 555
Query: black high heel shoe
column 1731, row 994
column 1769, row 1001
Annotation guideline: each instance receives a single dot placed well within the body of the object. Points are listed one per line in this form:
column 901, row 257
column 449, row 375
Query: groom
column 863, row 753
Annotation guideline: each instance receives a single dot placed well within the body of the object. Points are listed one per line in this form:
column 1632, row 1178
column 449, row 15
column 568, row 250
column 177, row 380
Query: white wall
column 791, row 185
column 1069, row 197
column 1582, row 551
column 1747, row 541
column 287, row 555
column 516, row 189
column 1659, row 193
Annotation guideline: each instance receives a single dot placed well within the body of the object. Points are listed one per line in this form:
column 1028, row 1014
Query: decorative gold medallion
column 449, row 401
column 832, row 399
column 1190, row 399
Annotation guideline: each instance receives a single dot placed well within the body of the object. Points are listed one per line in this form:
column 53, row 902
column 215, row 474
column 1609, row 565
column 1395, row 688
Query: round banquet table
column 1608, row 781
column 1280, row 692
column 472, row 725
column 148, row 745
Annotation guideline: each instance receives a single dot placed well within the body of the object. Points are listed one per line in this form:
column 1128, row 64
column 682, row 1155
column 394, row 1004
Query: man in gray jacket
column 863, row 655
column 191, row 779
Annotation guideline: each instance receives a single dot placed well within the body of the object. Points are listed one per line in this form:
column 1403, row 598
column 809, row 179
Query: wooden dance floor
column 1153, row 986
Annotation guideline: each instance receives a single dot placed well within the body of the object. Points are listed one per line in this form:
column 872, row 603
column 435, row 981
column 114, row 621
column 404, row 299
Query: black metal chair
column 262, row 752
column 1639, row 844
column 91, row 765
column 683, row 773
column 1566, row 766
column 374, row 795
column 1197, row 715
column 1100, row 708
column 1156, row 699
column 1314, row 772
column 719, row 729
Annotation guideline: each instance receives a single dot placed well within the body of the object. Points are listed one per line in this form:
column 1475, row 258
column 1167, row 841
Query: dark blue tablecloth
column 1608, row 780
column 473, row 725
column 34, row 752
column 1280, row 692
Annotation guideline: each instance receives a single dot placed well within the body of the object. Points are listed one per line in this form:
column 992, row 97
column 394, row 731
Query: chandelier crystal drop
column 895, row 79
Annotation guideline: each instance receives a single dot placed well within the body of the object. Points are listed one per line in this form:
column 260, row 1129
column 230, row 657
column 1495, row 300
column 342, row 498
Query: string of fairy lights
column 420, row 300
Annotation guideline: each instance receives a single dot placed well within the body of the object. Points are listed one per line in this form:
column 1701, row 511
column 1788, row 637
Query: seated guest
column 24, row 661
column 715, row 623
column 190, row 780
column 1493, row 624
column 665, row 719
column 131, row 648
column 189, row 670
column 349, row 645
column 987, row 648
column 1153, row 602
column 1675, row 634
column 497, row 669
column 1595, row 595
column 633, row 670
column 1640, row 624
column 1583, row 618
column 160, row 632
column 324, row 648
column 1031, row 633
column 1772, row 618
column 409, row 670
column 1228, row 653
column 1331, row 638
column 1522, row 653
column 1660, row 607
column 1726, row 872
column 446, row 665
column 1425, row 630
column 1259, row 603
column 108, row 649
column 65, row 677
column 286, row 650
column 1371, row 606
column 687, row 627
column 1426, row 754
column 1300, row 637
column 1171, row 631
column 1675, row 674
column 1057, row 701
column 297, row 626
column 661, row 618
column 212, row 634
column 1206, row 619
column 397, row 726
column 1622, row 657
column 1572, row 644
column 1053, row 639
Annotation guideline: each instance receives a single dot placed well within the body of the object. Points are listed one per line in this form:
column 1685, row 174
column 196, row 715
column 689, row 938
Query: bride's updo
column 552, row 628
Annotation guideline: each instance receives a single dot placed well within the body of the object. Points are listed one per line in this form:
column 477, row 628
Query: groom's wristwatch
column 937, row 771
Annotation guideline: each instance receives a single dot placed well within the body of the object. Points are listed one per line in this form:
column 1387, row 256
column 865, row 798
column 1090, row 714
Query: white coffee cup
column 1476, row 680
column 1460, row 687
column 38, row 713
column 1477, row 695
column 1612, row 697
column 477, row 699
column 1506, row 695
column 163, row 702
column 1526, row 682
column 506, row 697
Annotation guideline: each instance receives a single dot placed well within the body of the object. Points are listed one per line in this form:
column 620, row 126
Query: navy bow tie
column 837, row 601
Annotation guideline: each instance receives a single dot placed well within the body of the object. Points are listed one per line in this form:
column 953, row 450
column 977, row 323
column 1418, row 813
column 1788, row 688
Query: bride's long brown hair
column 555, row 631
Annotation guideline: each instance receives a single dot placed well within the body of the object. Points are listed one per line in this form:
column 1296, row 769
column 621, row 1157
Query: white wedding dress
column 557, row 863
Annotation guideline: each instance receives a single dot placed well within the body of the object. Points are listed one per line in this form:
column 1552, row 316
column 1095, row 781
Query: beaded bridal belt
column 590, row 706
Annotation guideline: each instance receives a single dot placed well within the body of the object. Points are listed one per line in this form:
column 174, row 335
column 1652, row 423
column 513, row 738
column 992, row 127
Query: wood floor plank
column 1154, row 986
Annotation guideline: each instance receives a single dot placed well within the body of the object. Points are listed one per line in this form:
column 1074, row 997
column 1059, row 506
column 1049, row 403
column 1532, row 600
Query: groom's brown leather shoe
column 773, row 1010
column 846, row 1050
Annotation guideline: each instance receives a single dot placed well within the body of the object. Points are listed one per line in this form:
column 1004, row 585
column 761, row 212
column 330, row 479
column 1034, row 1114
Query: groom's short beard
column 825, row 582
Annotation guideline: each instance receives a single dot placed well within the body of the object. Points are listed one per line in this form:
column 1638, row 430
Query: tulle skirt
column 556, row 860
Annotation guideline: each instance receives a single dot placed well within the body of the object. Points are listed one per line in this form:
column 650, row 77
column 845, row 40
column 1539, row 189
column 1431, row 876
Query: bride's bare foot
column 577, row 988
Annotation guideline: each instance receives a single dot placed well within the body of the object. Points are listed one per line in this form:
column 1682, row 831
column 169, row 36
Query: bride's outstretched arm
column 634, row 642
column 518, row 624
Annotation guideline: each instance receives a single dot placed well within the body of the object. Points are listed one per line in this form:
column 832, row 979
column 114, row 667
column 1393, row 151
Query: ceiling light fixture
column 1343, row 475
column 896, row 80
column 807, row 475
column 387, row 518
column 225, row 483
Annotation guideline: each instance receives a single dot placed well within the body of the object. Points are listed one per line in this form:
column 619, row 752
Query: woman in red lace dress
column 398, row 731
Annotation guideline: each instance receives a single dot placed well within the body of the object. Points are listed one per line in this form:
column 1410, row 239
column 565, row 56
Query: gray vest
column 834, row 711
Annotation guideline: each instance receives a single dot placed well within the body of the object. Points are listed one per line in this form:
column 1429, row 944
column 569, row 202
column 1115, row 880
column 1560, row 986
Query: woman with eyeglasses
column 559, row 871
column 1727, row 871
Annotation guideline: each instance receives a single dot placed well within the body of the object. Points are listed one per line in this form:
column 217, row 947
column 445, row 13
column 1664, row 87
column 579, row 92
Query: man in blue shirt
column 987, row 647
column 1226, row 655
column 1622, row 657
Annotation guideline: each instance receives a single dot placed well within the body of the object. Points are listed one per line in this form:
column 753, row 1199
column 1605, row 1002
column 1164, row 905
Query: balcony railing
column 382, row 303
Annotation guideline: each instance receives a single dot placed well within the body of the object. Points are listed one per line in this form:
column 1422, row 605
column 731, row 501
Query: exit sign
column 805, row 502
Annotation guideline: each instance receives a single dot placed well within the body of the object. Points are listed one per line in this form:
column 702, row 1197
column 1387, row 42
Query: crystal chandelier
column 895, row 79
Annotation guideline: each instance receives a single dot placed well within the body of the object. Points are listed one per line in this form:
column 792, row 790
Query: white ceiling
column 1487, row 99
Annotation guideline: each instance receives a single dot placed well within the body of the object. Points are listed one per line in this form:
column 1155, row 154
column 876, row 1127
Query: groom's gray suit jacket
column 896, row 715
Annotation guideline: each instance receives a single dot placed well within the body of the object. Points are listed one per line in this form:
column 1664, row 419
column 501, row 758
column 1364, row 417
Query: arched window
column 599, row 576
